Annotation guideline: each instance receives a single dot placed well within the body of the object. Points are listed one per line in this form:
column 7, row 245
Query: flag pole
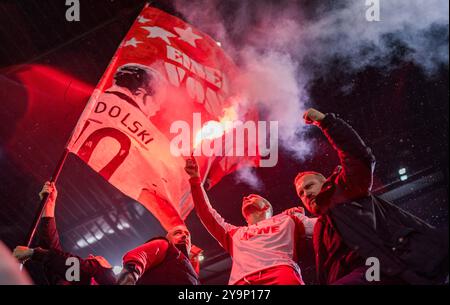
column 31, row 233
column 37, row 217
column 59, row 166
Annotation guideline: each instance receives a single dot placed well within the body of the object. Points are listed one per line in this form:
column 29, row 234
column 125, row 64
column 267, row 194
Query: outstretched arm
column 56, row 261
column 214, row 223
column 48, row 234
column 308, row 222
column 356, row 158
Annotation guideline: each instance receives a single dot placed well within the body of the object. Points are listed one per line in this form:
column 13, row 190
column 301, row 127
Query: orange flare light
column 216, row 129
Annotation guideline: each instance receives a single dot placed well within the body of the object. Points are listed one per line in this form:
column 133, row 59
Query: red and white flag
column 164, row 71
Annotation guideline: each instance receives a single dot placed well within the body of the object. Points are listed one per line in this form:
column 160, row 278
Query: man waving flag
column 164, row 71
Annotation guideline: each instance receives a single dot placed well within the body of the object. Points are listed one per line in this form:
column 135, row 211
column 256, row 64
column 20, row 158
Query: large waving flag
column 164, row 71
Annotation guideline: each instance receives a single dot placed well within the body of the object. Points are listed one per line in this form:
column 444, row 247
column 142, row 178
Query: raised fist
column 312, row 116
column 191, row 168
column 50, row 188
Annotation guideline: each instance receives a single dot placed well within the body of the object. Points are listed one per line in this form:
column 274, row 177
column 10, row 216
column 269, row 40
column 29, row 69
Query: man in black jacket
column 93, row 269
column 162, row 261
column 355, row 225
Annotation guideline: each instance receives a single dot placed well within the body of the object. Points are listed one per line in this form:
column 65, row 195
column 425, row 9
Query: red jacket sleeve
column 146, row 256
column 214, row 223
column 354, row 179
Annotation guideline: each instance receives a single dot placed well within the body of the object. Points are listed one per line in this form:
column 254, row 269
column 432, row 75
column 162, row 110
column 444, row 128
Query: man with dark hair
column 140, row 86
column 93, row 269
column 355, row 225
column 265, row 251
column 161, row 261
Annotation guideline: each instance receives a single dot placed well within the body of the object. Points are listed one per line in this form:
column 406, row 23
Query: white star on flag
column 187, row 35
column 132, row 42
column 143, row 19
column 157, row 32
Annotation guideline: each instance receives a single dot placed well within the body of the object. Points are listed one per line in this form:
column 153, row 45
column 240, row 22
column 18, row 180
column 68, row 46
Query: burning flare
column 216, row 129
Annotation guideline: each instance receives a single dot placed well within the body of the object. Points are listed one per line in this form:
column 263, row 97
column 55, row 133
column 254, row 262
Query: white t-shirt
column 266, row 244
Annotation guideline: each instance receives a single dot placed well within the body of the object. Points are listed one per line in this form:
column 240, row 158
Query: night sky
column 398, row 108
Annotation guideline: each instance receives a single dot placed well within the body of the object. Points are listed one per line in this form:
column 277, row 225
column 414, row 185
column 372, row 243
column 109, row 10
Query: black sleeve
column 48, row 234
column 56, row 263
column 356, row 158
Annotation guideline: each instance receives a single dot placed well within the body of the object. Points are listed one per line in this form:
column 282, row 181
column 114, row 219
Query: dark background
column 402, row 114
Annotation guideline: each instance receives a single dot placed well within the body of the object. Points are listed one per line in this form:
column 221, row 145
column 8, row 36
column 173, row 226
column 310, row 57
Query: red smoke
column 42, row 105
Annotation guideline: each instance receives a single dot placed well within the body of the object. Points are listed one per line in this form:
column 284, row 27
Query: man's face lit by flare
column 255, row 208
column 180, row 236
column 308, row 187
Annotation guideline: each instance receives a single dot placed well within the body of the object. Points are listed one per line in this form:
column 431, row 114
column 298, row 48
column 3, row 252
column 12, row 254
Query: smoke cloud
column 282, row 45
column 248, row 176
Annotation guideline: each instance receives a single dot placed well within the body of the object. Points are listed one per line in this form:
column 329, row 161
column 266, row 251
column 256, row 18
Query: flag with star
column 163, row 71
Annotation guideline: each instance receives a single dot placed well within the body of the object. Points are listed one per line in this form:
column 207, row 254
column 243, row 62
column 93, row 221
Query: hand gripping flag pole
column 59, row 166
column 32, row 231
column 37, row 216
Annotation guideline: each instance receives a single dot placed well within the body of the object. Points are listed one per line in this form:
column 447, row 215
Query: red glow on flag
column 164, row 71
column 44, row 105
